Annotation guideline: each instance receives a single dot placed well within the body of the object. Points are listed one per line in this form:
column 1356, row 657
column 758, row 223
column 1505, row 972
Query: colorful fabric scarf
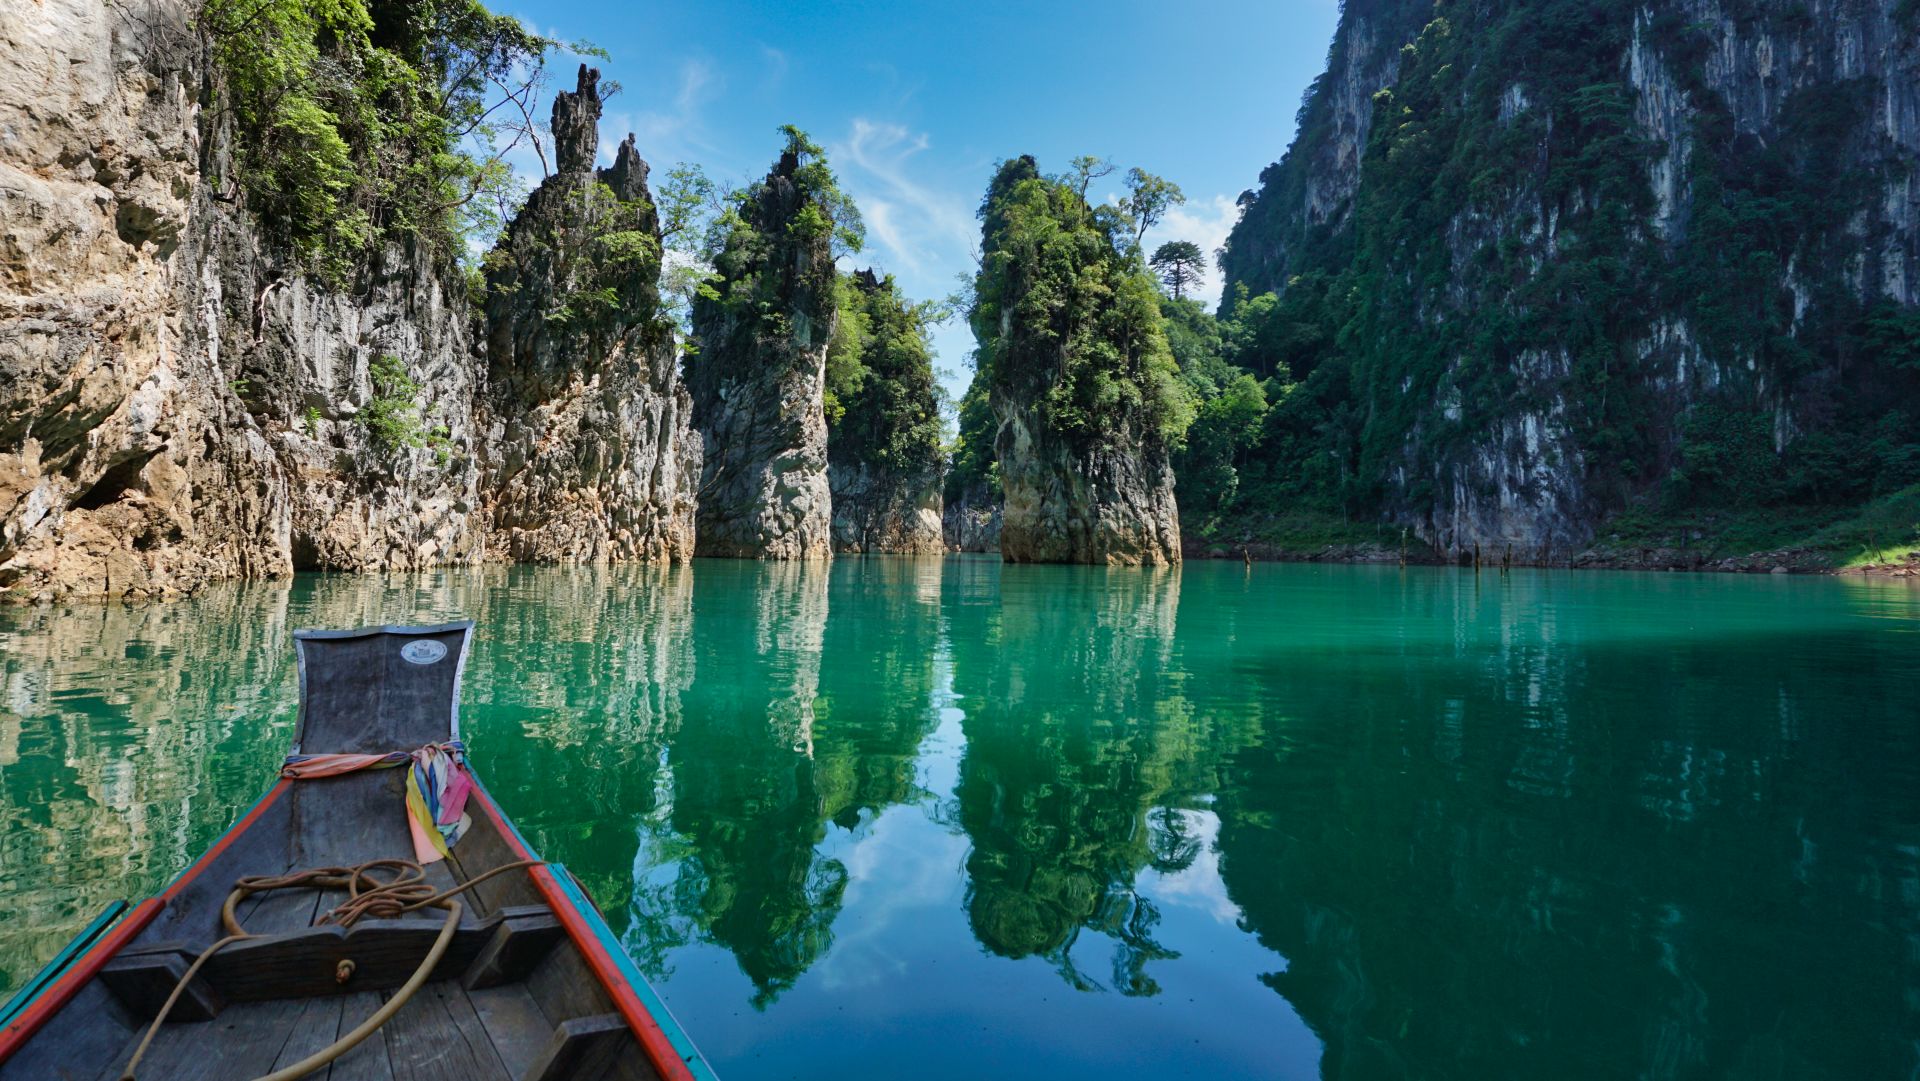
column 437, row 788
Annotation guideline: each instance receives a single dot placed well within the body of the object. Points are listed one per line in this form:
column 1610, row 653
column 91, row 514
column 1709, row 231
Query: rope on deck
column 367, row 895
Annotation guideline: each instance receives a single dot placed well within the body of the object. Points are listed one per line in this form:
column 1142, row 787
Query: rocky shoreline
column 1781, row 561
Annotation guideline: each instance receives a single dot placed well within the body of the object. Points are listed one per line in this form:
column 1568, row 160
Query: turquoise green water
column 948, row 819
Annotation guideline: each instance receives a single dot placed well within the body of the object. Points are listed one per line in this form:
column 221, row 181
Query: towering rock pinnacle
column 180, row 400
column 759, row 375
column 883, row 442
column 1082, row 387
column 594, row 457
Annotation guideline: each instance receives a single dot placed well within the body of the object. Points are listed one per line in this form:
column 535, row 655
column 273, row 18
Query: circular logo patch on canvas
column 423, row 651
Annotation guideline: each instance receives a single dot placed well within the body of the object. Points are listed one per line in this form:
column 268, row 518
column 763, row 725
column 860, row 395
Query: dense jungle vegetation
column 882, row 404
column 1504, row 243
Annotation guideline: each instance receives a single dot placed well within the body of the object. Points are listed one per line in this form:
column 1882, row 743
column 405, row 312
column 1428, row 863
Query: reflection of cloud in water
column 1198, row 884
column 900, row 872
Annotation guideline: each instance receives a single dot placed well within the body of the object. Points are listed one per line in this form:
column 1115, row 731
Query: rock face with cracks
column 1750, row 167
column 758, row 381
column 177, row 403
column 180, row 403
column 593, row 457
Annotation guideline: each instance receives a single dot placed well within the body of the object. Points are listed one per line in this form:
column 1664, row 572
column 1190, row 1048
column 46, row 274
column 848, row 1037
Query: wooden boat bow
column 477, row 960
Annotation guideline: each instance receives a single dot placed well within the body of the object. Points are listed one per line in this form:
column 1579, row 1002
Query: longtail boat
column 359, row 922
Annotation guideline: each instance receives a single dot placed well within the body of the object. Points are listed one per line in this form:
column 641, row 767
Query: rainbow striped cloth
column 437, row 788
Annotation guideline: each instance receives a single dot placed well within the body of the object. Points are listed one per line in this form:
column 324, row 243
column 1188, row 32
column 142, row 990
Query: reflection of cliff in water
column 1072, row 739
column 785, row 744
column 1478, row 861
column 577, row 689
column 875, row 706
column 745, row 811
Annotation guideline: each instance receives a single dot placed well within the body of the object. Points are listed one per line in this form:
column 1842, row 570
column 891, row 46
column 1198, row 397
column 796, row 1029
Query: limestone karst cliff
column 762, row 330
column 591, row 454
column 1543, row 263
column 184, row 397
column 1082, row 387
column 884, row 460
column 180, row 404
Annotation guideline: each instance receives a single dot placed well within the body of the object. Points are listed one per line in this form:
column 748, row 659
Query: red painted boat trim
column 62, row 990
column 226, row 839
column 660, row 1050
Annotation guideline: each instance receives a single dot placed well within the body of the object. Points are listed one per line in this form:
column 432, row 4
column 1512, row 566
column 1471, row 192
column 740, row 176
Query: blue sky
column 915, row 103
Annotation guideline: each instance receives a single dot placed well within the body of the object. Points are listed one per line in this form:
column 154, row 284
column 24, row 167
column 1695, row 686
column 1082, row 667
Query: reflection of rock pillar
column 745, row 804
column 791, row 623
column 1071, row 740
column 1140, row 611
column 878, row 713
column 664, row 641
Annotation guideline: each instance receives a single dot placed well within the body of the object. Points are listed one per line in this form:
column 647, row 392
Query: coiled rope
column 367, row 896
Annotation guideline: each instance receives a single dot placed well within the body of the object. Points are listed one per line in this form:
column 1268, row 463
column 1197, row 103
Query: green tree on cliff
column 1181, row 266
column 749, row 243
column 972, row 470
column 1067, row 315
column 882, row 404
column 1149, row 197
column 357, row 121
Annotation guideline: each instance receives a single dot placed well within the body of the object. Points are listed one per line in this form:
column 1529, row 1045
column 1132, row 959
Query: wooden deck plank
column 438, row 1037
column 241, row 1044
column 514, row 1023
column 368, row 1061
column 313, row 1030
column 482, row 848
column 275, row 912
column 347, row 820
column 93, row 1028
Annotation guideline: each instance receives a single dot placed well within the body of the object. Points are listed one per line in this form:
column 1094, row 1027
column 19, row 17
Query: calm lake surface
column 942, row 819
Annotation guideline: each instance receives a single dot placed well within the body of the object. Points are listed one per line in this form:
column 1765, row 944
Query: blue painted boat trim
column 682, row 1043
column 677, row 1036
column 50, row 973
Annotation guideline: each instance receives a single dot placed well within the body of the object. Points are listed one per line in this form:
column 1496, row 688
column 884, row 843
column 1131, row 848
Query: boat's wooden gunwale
column 56, row 995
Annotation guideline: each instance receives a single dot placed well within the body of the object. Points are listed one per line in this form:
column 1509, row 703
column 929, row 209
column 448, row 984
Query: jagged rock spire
column 576, row 124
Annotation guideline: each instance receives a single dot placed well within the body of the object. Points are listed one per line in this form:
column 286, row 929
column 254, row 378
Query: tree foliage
column 1149, row 197
column 1067, row 316
column 1181, row 266
column 361, row 120
column 768, row 257
column 882, row 404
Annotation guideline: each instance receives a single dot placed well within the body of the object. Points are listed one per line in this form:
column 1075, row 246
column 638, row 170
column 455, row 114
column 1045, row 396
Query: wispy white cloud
column 1205, row 222
column 881, row 227
column 919, row 225
column 671, row 134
